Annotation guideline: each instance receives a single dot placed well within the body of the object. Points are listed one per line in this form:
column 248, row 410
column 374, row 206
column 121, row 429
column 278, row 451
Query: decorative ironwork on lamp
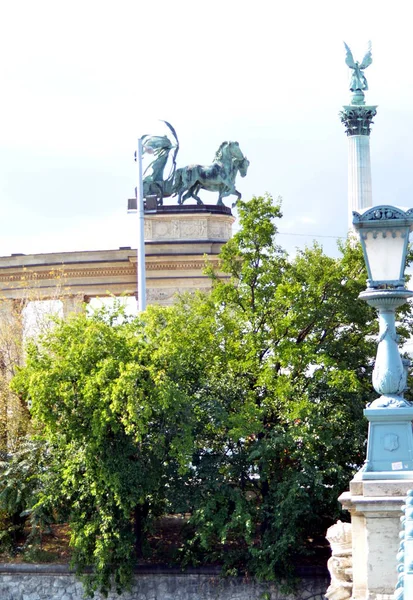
column 384, row 235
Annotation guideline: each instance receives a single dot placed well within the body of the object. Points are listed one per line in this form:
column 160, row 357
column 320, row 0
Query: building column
column 357, row 121
column 11, row 332
column 13, row 412
column 73, row 304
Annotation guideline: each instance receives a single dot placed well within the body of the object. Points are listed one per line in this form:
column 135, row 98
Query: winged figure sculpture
column 358, row 82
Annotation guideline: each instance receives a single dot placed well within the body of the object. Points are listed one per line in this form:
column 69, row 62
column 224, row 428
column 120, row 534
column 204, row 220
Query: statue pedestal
column 178, row 240
column 375, row 508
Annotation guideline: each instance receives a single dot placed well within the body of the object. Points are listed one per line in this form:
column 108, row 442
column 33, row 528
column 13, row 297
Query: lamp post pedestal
column 390, row 444
column 390, row 438
column 378, row 490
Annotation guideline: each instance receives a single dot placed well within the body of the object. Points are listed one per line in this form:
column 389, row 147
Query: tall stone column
column 357, row 121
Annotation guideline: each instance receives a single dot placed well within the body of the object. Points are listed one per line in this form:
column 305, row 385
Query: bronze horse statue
column 188, row 181
column 217, row 177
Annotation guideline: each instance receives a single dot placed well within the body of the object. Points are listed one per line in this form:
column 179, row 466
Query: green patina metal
column 358, row 81
column 357, row 117
column 160, row 146
column 358, row 120
column 404, row 587
column 186, row 182
column 390, row 439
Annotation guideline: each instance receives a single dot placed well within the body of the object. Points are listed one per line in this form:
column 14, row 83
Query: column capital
column 357, row 120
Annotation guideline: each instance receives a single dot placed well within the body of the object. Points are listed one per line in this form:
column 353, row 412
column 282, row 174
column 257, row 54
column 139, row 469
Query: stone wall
column 56, row 582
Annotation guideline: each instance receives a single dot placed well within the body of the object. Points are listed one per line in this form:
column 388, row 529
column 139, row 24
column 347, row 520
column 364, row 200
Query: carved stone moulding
column 165, row 296
column 340, row 565
column 161, row 295
column 188, row 229
column 357, row 120
column 339, row 536
column 196, row 223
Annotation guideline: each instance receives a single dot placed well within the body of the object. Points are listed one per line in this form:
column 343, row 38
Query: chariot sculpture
column 186, row 182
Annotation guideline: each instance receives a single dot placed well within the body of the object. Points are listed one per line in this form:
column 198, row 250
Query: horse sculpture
column 218, row 177
column 188, row 181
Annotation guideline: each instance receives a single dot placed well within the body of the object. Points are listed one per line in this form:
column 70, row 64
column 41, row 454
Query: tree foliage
column 242, row 407
column 115, row 436
column 277, row 363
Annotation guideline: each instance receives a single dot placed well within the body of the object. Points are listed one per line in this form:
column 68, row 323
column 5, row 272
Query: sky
column 81, row 80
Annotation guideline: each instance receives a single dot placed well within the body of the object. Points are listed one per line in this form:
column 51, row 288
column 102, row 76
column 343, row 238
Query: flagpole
column 141, row 272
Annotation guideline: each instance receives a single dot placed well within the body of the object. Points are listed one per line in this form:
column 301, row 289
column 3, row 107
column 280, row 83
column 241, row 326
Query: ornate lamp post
column 384, row 234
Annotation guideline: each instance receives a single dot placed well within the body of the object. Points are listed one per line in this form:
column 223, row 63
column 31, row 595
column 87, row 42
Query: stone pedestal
column 188, row 224
column 178, row 239
column 375, row 508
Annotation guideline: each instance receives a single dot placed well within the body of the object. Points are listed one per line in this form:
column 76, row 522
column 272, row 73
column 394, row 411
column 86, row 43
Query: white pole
column 141, row 233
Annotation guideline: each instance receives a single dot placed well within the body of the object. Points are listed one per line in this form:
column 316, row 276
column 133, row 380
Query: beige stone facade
column 375, row 507
column 178, row 240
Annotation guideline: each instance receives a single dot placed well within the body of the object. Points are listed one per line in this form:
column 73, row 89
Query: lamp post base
column 390, row 444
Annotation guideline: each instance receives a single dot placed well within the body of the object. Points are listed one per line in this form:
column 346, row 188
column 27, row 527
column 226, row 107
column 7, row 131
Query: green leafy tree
column 242, row 407
column 116, row 438
column 277, row 363
column 21, row 457
column 24, row 476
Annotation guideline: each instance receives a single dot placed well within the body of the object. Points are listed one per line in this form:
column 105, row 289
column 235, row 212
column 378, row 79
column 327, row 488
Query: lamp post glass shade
column 385, row 250
column 384, row 235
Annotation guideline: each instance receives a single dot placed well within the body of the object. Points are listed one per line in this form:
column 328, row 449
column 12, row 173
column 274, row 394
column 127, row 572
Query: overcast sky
column 82, row 79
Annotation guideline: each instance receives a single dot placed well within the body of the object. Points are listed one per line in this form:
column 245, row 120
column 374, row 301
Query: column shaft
column 357, row 121
column 359, row 175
